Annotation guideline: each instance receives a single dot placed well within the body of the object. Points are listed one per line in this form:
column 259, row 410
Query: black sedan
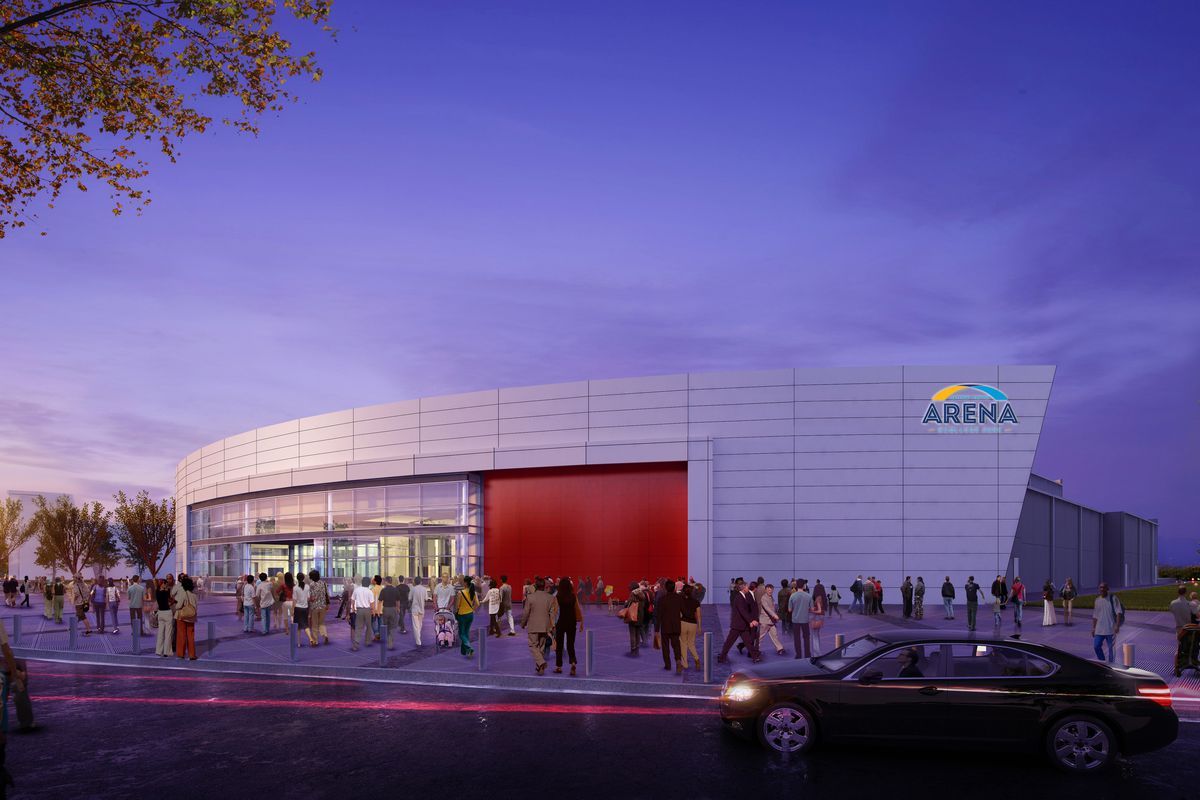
column 943, row 689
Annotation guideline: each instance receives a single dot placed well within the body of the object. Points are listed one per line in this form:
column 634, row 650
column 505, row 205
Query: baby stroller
column 445, row 628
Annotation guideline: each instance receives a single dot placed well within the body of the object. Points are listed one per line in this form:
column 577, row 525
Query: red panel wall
column 624, row 522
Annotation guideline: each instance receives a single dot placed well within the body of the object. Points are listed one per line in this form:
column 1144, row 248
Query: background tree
column 13, row 533
column 145, row 530
column 85, row 83
column 71, row 536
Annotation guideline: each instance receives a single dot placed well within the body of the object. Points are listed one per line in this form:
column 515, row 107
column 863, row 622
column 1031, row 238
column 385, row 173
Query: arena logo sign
column 970, row 408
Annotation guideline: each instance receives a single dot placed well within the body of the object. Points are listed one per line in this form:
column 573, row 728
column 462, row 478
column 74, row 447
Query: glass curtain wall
column 421, row 529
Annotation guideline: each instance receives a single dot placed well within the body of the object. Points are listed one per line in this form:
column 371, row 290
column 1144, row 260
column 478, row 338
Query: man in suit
column 669, row 612
column 535, row 619
column 743, row 623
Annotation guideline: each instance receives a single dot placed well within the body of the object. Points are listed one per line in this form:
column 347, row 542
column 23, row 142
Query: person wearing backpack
column 856, row 591
column 1107, row 616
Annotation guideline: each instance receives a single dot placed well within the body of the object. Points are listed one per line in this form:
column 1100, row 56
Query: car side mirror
column 867, row 678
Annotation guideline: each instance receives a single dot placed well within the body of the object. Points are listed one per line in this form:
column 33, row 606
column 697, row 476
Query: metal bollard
column 589, row 652
column 212, row 637
column 383, row 648
column 1127, row 654
column 72, row 633
column 292, row 641
column 137, row 640
column 708, row 658
column 839, row 639
column 16, row 634
column 482, row 651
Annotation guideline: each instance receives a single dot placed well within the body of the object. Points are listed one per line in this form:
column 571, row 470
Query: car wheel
column 1081, row 744
column 787, row 728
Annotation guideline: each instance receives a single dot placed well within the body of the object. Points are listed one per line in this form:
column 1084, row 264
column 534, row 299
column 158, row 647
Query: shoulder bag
column 187, row 611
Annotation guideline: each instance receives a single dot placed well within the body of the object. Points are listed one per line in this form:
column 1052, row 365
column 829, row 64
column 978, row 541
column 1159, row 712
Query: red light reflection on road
column 388, row 705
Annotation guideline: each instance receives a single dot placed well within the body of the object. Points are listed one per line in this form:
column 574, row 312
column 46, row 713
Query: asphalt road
column 113, row 733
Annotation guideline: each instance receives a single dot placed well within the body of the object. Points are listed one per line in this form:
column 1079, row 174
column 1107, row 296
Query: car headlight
column 739, row 692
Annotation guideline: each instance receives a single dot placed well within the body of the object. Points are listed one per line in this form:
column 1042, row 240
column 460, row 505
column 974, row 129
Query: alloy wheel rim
column 1081, row 746
column 786, row 730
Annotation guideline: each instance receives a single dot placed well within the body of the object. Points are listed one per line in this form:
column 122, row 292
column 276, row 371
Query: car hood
column 792, row 669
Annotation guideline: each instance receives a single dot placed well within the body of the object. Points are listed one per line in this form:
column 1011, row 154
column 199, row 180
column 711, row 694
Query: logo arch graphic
column 991, row 391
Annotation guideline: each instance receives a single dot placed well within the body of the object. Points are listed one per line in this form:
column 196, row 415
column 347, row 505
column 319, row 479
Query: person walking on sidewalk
column 535, row 619
column 1106, row 622
column 768, row 619
column 48, row 600
column 800, row 606
column 689, row 625
column 417, row 599
column 363, row 605
column 919, row 598
column 248, row 604
column 1048, row 616
column 137, row 595
column 948, row 598
column 506, row 611
column 835, row 600
column 869, row 607
column 264, row 601
column 164, row 642
column 567, row 609
column 906, row 596
column 185, row 620
column 492, row 600
column 669, row 613
column 973, row 591
column 1018, row 602
column 112, row 598
column 1068, row 594
column 347, row 594
column 633, row 616
column 301, row 594
column 79, row 598
column 465, row 603
column 26, row 587
column 318, row 607
column 99, row 601
column 389, row 601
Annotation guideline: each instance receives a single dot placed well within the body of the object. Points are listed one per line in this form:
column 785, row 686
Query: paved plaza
column 509, row 662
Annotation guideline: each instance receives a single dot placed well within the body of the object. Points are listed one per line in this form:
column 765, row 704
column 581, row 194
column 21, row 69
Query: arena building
column 826, row 472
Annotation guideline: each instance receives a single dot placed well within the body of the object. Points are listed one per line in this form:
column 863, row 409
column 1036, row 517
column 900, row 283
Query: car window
column 848, row 653
column 900, row 664
column 989, row 661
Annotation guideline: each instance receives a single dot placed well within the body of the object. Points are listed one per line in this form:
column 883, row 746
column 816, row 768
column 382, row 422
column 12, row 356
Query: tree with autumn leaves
column 87, row 85
column 72, row 537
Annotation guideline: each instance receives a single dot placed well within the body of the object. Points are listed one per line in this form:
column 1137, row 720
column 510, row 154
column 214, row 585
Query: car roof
column 919, row 637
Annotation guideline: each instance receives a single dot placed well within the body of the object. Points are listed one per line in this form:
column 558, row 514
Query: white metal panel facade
column 826, row 472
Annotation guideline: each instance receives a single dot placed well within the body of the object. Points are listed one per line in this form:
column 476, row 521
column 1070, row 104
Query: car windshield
column 848, row 653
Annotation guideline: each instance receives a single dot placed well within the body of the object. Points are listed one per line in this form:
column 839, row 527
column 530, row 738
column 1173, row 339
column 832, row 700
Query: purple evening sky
column 484, row 194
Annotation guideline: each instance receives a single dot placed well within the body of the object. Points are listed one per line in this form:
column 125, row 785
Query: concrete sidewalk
column 509, row 664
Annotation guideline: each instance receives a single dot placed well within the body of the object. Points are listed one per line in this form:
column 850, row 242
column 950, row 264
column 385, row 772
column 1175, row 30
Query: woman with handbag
column 492, row 598
column 465, row 603
column 300, row 595
column 185, row 620
column 816, row 622
column 632, row 614
column 287, row 598
column 565, row 606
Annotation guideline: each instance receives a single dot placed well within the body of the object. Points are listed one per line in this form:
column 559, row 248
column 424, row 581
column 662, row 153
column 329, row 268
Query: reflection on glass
column 404, row 496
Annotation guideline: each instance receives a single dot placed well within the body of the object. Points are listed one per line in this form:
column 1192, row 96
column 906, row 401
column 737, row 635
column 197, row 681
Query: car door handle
column 929, row 691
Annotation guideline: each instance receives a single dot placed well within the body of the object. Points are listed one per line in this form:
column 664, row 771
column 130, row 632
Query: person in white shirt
column 248, row 604
column 443, row 595
column 300, row 595
column 112, row 597
column 418, row 597
column 363, row 601
column 492, row 599
column 264, row 596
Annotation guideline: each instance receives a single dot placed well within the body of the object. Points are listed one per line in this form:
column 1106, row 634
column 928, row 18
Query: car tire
column 787, row 728
column 1081, row 745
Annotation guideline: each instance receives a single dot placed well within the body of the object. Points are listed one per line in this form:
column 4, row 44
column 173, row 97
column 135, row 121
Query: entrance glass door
column 353, row 559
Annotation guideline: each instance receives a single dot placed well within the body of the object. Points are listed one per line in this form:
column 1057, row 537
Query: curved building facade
column 826, row 472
